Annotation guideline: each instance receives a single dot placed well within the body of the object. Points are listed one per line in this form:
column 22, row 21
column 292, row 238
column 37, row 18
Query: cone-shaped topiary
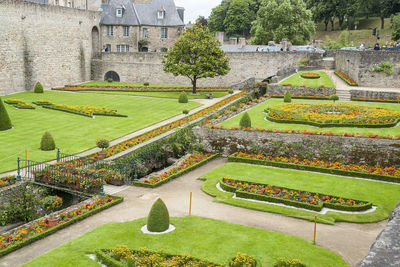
column 183, row 98
column 245, row 121
column 47, row 143
column 158, row 219
column 38, row 88
column 287, row 98
column 5, row 122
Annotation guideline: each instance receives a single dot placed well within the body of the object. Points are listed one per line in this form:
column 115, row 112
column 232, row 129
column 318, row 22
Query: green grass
column 257, row 116
column 105, row 83
column 175, row 95
column 297, row 80
column 73, row 133
column 202, row 238
column 384, row 196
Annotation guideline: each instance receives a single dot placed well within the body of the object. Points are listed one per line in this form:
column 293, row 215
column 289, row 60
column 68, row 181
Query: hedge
column 60, row 226
column 327, row 125
column 316, row 169
column 176, row 175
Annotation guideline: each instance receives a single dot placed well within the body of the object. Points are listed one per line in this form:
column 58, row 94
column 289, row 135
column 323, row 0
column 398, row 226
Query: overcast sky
column 195, row 8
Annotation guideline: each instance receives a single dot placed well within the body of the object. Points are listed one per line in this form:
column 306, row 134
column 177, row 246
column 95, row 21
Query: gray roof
column 141, row 14
column 45, row 2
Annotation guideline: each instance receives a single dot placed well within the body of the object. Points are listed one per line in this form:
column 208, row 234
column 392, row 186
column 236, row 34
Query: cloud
column 196, row 8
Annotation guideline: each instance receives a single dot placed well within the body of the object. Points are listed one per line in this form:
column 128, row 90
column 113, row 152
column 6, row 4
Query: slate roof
column 141, row 14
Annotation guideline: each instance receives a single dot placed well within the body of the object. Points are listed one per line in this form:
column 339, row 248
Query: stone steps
column 344, row 95
column 329, row 63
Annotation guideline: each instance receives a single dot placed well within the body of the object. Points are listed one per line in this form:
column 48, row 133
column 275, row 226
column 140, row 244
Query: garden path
column 351, row 241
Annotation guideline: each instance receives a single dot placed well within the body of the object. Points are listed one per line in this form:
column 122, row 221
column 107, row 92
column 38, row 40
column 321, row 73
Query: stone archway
column 95, row 41
column 113, row 75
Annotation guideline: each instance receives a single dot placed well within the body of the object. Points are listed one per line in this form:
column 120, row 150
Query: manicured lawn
column 105, row 83
column 202, row 238
column 175, row 95
column 74, row 133
column 384, row 196
column 297, row 80
column 257, row 116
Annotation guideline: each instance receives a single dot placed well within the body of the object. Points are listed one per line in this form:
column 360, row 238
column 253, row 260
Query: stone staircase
column 329, row 63
column 343, row 94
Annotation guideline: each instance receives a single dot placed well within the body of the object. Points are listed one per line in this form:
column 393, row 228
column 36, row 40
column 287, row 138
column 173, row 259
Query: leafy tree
column 5, row 122
column 387, row 8
column 334, row 98
column 158, row 219
column 396, row 27
column 238, row 18
column 288, row 19
column 196, row 54
column 323, row 10
column 217, row 17
column 202, row 21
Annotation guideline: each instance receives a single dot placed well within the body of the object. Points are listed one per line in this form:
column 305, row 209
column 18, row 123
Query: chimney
column 233, row 41
column 181, row 13
column 220, row 36
column 242, row 42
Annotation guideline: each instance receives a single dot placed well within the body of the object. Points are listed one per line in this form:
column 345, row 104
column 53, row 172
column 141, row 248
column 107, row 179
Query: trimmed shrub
column 47, row 143
column 334, row 98
column 146, row 84
column 185, row 111
column 245, row 121
column 287, row 98
column 5, row 122
column 282, row 262
column 109, row 80
column 38, row 89
column 158, row 219
column 183, row 98
column 231, row 91
column 102, row 143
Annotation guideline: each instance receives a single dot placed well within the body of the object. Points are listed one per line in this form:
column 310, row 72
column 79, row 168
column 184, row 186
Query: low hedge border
column 54, row 229
column 304, row 97
column 147, row 87
column 315, row 169
column 297, row 204
column 328, row 125
column 374, row 100
column 176, row 175
column 351, row 83
column 82, row 113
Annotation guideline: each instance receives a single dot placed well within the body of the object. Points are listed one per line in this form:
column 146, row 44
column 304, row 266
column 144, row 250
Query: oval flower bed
column 193, row 161
column 7, row 181
column 291, row 197
column 333, row 115
column 390, row 174
column 42, row 227
column 310, row 75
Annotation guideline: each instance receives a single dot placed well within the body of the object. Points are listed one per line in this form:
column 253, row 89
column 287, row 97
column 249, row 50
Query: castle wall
column 45, row 43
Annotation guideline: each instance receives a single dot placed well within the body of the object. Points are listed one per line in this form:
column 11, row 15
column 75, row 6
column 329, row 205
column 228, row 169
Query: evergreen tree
column 47, row 143
column 245, row 121
column 5, row 122
column 158, row 219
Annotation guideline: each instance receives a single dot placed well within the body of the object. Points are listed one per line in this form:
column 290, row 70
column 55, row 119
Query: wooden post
column 190, row 204
column 315, row 229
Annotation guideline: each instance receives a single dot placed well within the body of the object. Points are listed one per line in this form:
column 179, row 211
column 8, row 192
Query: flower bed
column 310, row 75
column 41, row 228
column 303, row 97
column 98, row 88
column 42, row 103
column 334, row 115
column 84, row 110
column 7, row 181
column 297, row 198
column 345, row 78
column 389, row 174
column 19, row 104
column 123, row 256
column 375, row 100
column 13, row 101
column 191, row 162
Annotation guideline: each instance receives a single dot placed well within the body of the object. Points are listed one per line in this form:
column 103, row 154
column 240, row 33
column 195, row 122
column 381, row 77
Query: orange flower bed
column 310, row 75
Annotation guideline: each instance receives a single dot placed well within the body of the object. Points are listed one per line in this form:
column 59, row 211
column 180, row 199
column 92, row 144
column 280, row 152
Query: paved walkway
column 351, row 241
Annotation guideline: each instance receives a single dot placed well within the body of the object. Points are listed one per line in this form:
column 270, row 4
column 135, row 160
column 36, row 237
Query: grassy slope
column 105, row 83
column 257, row 116
column 202, row 242
column 74, row 133
column 297, row 80
column 175, row 95
column 384, row 196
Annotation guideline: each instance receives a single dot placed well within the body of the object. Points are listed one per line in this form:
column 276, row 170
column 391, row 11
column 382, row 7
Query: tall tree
column 202, row 20
column 238, row 18
column 396, row 27
column 196, row 54
column 217, row 17
column 288, row 19
column 386, row 9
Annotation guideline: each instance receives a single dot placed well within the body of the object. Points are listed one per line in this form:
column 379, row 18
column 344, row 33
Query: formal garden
column 317, row 79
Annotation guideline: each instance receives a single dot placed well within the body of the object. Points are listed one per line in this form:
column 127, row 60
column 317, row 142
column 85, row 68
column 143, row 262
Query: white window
column 122, row 48
column 125, row 30
column 119, row 12
column 164, row 33
column 161, row 14
column 145, row 33
column 110, row 30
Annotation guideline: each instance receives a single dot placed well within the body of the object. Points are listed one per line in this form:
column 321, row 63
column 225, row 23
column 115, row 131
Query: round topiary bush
column 38, row 89
column 158, row 219
column 334, row 97
column 103, row 143
column 183, row 98
column 245, row 121
column 146, row 84
column 110, row 80
column 5, row 122
column 287, row 98
column 47, row 143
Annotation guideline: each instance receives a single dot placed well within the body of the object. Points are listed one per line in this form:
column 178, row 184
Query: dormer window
column 119, row 12
column 161, row 14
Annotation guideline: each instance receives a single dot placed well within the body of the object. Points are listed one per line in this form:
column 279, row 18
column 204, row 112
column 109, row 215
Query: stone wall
column 368, row 151
column 375, row 94
column 276, row 89
column 45, row 43
column 147, row 67
column 358, row 66
column 6, row 192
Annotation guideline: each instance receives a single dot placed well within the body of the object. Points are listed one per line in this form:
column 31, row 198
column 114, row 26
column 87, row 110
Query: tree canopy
column 195, row 55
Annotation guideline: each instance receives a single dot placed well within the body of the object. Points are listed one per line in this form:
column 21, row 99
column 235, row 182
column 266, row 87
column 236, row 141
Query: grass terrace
column 297, row 80
column 384, row 196
column 188, row 238
column 258, row 120
column 74, row 133
column 175, row 95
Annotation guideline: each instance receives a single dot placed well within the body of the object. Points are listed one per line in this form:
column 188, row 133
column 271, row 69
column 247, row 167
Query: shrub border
column 58, row 227
column 285, row 165
column 176, row 175
column 294, row 203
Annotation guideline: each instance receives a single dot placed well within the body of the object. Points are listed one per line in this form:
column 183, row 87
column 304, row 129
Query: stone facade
column 358, row 65
column 45, row 43
column 119, row 39
column 276, row 89
column 156, row 43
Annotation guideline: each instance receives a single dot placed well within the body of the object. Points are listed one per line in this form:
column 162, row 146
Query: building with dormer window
column 140, row 25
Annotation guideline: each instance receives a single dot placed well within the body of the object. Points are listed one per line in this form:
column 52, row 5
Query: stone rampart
column 276, row 89
column 375, row 94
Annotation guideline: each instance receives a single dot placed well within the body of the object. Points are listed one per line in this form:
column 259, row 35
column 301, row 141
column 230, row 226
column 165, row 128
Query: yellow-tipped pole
column 190, row 204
